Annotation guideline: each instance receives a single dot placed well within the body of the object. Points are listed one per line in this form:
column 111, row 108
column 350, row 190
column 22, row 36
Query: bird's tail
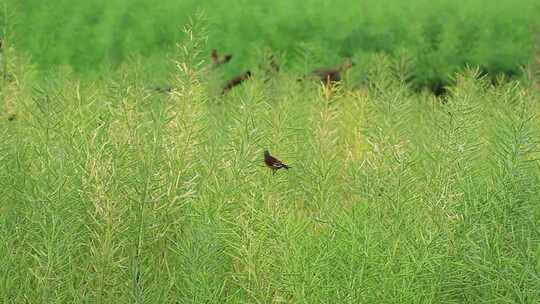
column 286, row 167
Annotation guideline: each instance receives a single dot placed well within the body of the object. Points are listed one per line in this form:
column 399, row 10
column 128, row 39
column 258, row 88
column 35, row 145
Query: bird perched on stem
column 273, row 163
column 236, row 81
column 331, row 75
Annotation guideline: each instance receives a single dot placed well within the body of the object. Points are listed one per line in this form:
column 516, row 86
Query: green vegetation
column 440, row 36
column 114, row 193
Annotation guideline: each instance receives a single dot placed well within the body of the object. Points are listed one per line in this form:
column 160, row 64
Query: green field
column 114, row 192
column 442, row 37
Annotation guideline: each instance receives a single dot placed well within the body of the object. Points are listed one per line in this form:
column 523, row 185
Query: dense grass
column 441, row 37
column 113, row 193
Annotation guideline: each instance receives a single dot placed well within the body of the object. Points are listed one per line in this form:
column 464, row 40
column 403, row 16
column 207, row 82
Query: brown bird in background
column 330, row 75
column 236, row 81
column 273, row 163
column 216, row 61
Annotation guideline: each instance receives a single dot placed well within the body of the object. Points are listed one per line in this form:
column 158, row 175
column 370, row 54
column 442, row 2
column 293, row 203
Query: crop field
column 441, row 36
column 145, row 181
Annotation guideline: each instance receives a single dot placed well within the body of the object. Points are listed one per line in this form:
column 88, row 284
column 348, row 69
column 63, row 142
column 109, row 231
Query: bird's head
column 266, row 153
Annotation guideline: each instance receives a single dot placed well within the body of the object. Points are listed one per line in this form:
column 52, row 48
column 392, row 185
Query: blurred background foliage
column 439, row 37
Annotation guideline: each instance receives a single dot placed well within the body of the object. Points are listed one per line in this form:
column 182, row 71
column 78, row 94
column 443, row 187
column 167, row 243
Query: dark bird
column 331, row 75
column 273, row 163
column 216, row 61
column 236, row 81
